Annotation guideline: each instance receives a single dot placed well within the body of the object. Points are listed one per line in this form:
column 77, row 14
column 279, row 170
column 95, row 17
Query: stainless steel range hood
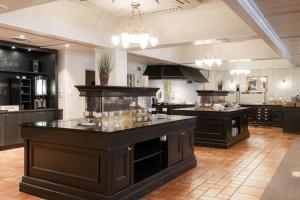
column 174, row 72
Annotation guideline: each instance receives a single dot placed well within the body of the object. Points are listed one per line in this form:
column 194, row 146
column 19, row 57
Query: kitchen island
column 66, row 161
column 220, row 129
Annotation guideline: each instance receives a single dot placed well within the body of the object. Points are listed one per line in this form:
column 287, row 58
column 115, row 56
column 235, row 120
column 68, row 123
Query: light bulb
column 125, row 44
column 153, row 41
column 219, row 62
column 115, row 40
column 198, row 62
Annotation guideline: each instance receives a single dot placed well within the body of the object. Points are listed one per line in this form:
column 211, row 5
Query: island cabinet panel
column 12, row 128
column 67, row 165
column 181, row 146
column 175, row 148
column 187, row 144
column 120, row 160
column 2, row 136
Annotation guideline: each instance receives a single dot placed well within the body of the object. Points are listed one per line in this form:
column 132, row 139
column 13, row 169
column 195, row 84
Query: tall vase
column 104, row 79
column 220, row 87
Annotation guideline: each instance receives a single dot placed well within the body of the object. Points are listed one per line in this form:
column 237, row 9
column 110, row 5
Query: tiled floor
column 239, row 173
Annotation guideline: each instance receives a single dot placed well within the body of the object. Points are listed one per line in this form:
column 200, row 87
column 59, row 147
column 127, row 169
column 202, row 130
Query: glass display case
column 117, row 107
column 207, row 98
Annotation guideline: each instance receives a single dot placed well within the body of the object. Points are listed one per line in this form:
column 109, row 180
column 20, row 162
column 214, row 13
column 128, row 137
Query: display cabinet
column 206, row 98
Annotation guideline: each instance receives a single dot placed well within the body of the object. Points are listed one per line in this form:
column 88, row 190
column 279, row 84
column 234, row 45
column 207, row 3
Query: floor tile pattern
column 239, row 173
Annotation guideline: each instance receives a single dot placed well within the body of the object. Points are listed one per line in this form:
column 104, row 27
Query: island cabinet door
column 12, row 130
column 2, row 130
column 120, row 168
column 174, row 148
column 187, row 144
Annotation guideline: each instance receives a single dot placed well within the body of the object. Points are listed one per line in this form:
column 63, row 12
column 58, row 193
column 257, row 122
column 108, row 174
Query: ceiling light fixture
column 29, row 50
column 240, row 60
column 132, row 34
column 67, row 45
column 211, row 59
column 240, row 71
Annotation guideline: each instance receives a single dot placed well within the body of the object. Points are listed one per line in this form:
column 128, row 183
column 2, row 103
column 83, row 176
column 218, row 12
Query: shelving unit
column 150, row 157
column 25, row 93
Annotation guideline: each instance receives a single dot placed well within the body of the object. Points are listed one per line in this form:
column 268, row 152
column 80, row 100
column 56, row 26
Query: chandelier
column 132, row 33
column 211, row 59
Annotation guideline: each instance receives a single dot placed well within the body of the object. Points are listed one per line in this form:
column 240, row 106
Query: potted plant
column 238, row 87
column 105, row 66
column 220, row 83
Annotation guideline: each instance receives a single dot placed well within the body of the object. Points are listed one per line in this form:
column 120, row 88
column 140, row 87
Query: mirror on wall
column 257, row 84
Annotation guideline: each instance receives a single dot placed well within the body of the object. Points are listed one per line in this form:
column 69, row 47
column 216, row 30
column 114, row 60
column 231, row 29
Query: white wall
column 72, row 66
column 276, row 87
column 132, row 68
column 183, row 92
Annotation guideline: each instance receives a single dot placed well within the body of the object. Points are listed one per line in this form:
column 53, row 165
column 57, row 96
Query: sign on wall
column 6, row 64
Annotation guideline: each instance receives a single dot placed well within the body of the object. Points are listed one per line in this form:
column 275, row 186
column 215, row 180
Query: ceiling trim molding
column 252, row 9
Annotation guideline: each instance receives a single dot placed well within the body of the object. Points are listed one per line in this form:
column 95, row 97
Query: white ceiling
column 13, row 5
column 284, row 16
column 86, row 25
column 122, row 8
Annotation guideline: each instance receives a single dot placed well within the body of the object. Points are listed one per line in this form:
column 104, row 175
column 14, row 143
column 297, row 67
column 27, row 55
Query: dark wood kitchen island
column 66, row 161
column 220, row 129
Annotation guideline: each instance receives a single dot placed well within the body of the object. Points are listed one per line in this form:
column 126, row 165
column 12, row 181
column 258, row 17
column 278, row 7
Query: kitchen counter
column 75, row 125
column 23, row 111
column 220, row 129
column 226, row 110
column 66, row 161
column 10, row 132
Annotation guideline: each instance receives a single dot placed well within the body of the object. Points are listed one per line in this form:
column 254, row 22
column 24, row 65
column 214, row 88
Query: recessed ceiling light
column 67, row 45
column 13, row 47
column 29, row 50
column 2, row 6
column 22, row 37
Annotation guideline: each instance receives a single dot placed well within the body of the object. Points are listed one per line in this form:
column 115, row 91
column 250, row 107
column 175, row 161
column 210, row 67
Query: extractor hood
column 174, row 72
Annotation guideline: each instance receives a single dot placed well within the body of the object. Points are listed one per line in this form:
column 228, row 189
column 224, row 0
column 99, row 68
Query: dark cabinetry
column 64, row 162
column 181, row 146
column 265, row 115
column 10, row 132
column 120, row 163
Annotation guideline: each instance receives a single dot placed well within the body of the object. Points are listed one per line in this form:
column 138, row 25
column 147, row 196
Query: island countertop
column 75, row 125
column 226, row 110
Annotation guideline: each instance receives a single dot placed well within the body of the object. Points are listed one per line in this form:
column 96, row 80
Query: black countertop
column 212, row 111
column 23, row 111
column 75, row 124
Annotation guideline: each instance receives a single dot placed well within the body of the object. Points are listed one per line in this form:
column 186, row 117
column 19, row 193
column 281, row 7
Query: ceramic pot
column 220, row 87
column 104, row 79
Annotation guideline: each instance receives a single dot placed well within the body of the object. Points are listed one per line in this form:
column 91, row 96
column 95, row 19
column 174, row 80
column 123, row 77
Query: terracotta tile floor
column 239, row 173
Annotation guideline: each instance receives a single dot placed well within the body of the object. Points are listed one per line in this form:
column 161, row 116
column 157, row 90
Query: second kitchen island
column 218, row 128
column 65, row 161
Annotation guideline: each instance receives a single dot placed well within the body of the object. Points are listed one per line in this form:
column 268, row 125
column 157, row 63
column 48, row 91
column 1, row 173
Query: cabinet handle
column 129, row 148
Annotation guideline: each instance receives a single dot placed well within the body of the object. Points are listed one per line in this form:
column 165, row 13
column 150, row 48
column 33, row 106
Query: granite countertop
column 22, row 111
column 76, row 124
column 210, row 110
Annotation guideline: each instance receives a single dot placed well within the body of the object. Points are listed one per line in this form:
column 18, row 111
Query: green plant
column 221, row 81
column 105, row 62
